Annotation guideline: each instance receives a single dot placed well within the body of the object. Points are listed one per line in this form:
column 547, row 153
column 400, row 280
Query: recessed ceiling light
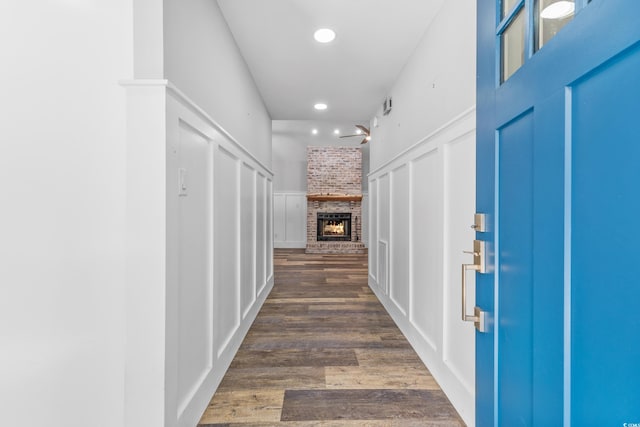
column 320, row 106
column 314, row 131
column 324, row 35
column 337, row 131
column 558, row 10
column 358, row 132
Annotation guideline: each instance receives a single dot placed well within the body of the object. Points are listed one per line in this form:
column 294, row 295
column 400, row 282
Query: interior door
column 558, row 176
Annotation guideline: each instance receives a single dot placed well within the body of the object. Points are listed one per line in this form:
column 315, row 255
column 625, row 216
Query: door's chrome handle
column 479, row 259
column 467, row 317
column 479, row 317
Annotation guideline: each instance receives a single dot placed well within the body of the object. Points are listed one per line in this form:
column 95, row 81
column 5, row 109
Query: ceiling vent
column 387, row 105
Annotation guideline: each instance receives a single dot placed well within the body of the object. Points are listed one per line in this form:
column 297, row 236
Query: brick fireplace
column 334, row 200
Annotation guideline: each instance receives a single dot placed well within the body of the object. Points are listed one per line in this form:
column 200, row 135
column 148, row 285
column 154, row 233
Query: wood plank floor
column 324, row 352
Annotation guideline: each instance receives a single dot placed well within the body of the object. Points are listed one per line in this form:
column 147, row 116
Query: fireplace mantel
column 318, row 197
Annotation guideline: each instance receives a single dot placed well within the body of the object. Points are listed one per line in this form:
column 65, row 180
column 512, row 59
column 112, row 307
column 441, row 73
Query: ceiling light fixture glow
column 314, row 131
column 358, row 132
column 337, row 131
column 324, row 35
column 558, row 10
column 320, row 106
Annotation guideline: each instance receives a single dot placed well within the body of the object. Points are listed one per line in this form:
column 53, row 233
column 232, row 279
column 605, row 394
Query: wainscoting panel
column 296, row 214
column 213, row 201
column 400, row 238
column 426, row 213
column 384, row 229
column 365, row 219
column 373, row 229
column 227, row 227
column 290, row 220
column 247, row 238
column 268, row 235
column 422, row 204
column 382, row 265
column 279, row 219
column 261, row 233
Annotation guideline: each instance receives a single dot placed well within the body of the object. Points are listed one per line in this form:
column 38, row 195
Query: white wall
column 422, row 201
column 112, row 310
column 195, row 32
column 437, row 84
column 148, row 36
column 62, row 198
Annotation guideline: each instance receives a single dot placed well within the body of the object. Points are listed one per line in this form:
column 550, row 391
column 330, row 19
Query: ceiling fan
column 365, row 132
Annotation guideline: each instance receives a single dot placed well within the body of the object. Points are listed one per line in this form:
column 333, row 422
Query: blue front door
column 558, row 175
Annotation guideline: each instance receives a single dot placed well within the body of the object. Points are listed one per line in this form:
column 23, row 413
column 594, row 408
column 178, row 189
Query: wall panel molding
column 400, row 238
column 248, row 277
column 373, row 229
column 382, row 266
column 426, row 245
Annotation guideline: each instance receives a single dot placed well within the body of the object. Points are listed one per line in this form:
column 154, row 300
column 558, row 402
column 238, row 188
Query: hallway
column 324, row 352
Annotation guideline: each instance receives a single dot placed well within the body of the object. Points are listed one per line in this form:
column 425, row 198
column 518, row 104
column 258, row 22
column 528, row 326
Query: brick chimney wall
column 335, row 170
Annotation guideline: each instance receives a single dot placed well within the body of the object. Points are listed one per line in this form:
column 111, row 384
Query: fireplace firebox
column 334, row 227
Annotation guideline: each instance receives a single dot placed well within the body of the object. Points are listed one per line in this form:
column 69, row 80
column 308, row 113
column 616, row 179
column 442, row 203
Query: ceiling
column 352, row 75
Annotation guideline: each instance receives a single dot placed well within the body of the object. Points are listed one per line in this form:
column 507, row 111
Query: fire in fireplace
column 334, row 226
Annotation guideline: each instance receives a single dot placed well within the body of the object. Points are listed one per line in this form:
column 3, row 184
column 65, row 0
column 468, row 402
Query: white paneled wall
column 290, row 220
column 206, row 281
column 241, row 262
column 421, row 207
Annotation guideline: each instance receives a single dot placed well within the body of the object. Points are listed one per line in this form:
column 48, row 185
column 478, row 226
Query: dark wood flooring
column 324, row 352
